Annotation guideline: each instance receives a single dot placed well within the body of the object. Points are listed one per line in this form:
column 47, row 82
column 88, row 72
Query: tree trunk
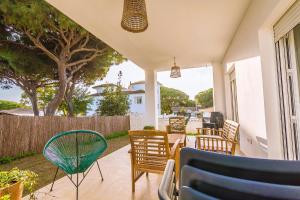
column 30, row 90
column 59, row 96
column 69, row 99
column 69, row 96
column 70, row 108
column 34, row 104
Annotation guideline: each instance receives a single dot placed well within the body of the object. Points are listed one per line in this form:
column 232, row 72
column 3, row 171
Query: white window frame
column 288, row 95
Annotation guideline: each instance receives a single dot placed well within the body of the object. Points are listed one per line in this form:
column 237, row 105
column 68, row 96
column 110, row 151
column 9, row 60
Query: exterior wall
column 137, row 121
column 140, row 108
column 245, row 43
column 134, row 107
column 252, row 54
column 250, row 106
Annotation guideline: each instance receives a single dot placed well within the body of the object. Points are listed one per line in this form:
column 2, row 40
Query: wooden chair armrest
column 174, row 148
column 210, row 137
column 168, row 128
column 215, row 138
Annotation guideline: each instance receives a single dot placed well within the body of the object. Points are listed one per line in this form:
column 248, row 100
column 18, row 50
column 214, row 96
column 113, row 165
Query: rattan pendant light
column 175, row 71
column 134, row 16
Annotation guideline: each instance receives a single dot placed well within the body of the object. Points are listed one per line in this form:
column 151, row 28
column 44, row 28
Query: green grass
column 8, row 159
column 116, row 134
column 191, row 134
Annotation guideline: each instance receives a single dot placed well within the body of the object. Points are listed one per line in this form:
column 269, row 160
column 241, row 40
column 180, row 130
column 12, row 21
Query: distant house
column 136, row 95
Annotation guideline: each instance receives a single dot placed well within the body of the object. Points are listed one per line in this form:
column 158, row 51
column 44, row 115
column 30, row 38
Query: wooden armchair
column 222, row 140
column 177, row 126
column 150, row 152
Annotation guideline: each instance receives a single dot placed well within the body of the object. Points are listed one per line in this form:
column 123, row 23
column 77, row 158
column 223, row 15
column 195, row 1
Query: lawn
column 46, row 170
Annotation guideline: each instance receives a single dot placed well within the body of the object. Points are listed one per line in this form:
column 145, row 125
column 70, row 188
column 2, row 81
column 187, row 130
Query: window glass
column 297, row 47
column 138, row 100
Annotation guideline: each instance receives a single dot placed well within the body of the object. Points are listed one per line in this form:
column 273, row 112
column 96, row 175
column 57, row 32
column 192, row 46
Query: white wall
column 137, row 121
column 134, row 107
column 250, row 106
column 256, row 85
column 245, row 43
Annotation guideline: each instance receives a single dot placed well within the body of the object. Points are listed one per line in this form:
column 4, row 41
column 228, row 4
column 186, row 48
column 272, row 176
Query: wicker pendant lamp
column 134, row 16
column 175, row 71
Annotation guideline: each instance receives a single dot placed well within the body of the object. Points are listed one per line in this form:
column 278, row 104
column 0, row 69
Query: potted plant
column 13, row 181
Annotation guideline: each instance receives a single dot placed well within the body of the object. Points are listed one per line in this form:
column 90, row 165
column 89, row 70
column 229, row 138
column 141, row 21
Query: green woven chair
column 75, row 152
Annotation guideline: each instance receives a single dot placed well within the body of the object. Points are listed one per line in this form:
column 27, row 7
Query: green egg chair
column 75, row 152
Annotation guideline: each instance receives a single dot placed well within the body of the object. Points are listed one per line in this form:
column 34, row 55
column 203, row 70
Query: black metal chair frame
column 77, row 183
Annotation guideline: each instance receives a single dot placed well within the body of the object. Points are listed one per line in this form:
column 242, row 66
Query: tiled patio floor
column 116, row 185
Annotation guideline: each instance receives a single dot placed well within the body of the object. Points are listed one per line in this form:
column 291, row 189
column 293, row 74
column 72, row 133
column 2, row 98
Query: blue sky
column 191, row 82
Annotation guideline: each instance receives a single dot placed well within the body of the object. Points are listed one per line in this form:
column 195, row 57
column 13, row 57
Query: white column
column 219, row 88
column 151, row 100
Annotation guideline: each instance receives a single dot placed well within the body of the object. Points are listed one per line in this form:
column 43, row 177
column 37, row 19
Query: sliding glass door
column 288, row 84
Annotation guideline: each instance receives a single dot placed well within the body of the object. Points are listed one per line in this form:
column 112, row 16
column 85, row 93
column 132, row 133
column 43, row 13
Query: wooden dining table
column 173, row 137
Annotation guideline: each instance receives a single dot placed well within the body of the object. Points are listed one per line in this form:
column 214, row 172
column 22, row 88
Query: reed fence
column 19, row 134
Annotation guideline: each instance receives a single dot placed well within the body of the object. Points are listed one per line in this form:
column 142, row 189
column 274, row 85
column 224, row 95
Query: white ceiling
column 195, row 31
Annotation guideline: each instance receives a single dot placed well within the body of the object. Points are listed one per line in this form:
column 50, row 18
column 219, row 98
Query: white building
column 136, row 95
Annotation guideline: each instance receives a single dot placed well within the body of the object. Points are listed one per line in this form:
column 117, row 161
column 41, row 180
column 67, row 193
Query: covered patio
column 117, row 181
column 116, row 185
column 235, row 37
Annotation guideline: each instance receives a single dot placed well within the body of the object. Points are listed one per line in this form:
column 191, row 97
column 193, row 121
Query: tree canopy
column 26, row 68
column 81, row 100
column 205, row 98
column 114, row 101
column 171, row 97
column 72, row 49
